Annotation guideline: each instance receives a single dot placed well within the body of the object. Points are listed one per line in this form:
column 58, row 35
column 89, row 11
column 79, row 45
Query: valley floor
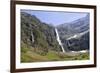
column 31, row 56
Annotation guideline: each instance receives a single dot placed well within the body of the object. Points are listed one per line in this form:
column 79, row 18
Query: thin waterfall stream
column 32, row 37
column 59, row 41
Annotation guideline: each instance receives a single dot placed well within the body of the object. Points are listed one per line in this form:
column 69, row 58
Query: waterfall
column 32, row 37
column 59, row 41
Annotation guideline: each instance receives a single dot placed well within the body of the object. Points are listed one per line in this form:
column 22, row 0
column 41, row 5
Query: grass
column 31, row 56
column 52, row 56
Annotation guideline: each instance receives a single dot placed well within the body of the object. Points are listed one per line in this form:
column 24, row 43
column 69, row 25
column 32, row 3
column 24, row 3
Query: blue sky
column 55, row 18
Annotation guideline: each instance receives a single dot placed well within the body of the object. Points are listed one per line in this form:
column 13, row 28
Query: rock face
column 75, row 35
column 37, row 35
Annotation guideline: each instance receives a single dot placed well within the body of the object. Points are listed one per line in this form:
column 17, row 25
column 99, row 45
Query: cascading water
column 32, row 37
column 59, row 41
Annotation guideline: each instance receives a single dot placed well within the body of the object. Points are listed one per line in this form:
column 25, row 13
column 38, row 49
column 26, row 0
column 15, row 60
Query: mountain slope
column 75, row 35
column 38, row 36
